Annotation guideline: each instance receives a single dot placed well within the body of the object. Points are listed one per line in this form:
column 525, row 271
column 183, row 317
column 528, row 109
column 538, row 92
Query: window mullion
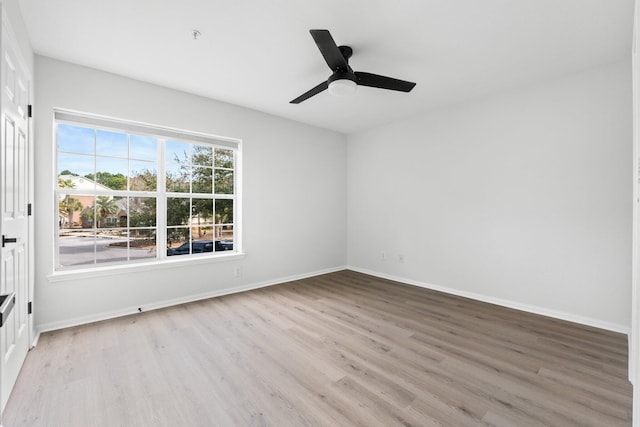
column 161, row 202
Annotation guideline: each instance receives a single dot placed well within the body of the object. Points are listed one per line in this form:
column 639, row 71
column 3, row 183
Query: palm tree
column 86, row 216
column 65, row 183
column 69, row 205
column 105, row 206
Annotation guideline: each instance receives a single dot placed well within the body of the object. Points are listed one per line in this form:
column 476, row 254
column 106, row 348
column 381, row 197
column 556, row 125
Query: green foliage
column 202, row 155
column 202, row 207
column 201, row 180
column 178, row 182
column 223, row 158
column 223, row 183
column 105, row 207
column 113, row 181
column 145, row 180
column 177, row 235
column 68, row 206
column 142, row 212
column 65, row 183
column 224, row 211
column 177, row 211
column 87, row 215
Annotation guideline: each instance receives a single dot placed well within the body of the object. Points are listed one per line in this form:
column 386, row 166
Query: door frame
column 634, row 337
column 33, row 333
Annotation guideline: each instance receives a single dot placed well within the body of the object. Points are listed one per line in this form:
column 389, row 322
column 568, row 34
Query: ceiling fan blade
column 332, row 55
column 308, row 94
column 382, row 82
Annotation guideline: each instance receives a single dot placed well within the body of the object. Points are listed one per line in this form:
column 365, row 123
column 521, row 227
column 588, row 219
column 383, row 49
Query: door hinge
column 29, row 110
column 29, row 209
column 29, row 307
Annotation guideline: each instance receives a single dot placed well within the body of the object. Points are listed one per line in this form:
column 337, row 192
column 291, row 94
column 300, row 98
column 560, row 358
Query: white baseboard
column 615, row 327
column 34, row 343
column 52, row 326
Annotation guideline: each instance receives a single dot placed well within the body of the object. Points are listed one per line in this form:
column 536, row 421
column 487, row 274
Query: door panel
column 14, row 334
column 9, row 174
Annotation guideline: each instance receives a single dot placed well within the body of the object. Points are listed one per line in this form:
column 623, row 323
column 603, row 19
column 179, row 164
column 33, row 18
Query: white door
column 14, row 224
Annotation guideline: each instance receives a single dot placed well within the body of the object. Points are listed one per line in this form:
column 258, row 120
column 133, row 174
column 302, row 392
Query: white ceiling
column 259, row 54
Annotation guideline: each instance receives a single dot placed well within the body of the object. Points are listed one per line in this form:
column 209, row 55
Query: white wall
column 522, row 198
column 294, row 197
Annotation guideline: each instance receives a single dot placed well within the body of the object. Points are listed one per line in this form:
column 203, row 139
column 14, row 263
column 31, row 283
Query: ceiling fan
column 344, row 80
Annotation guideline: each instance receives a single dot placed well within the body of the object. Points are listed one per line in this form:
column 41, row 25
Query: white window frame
column 162, row 134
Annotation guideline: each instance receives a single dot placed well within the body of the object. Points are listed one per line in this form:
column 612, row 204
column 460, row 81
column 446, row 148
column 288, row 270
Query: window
column 130, row 193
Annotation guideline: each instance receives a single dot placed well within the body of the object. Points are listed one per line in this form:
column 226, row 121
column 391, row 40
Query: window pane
column 204, row 232
column 88, row 213
column 224, row 238
column 143, row 176
column 223, row 158
column 112, row 245
column 111, row 211
column 143, row 148
column 75, row 139
column 177, row 211
column 177, row 152
column 70, row 208
column 202, row 182
column 224, row 211
column 70, row 165
column 142, row 212
column 111, row 173
column 202, row 155
column 178, row 178
column 201, row 244
column 113, row 144
column 76, row 247
column 178, row 241
column 202, row 212
column 142, row 244
column 224, row 232
column 223, row 182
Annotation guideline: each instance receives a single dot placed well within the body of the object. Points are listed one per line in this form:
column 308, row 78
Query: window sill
column 87, row 273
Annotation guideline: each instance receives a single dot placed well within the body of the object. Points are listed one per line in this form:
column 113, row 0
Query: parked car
column 224, row 245
column 201, row 246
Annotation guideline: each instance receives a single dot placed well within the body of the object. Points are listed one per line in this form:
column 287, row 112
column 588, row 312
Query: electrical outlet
column 237, row 272
column 383, row 256
column 401, row 259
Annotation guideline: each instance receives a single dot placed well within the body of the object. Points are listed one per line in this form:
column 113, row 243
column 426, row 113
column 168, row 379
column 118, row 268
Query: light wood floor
column 335, row 350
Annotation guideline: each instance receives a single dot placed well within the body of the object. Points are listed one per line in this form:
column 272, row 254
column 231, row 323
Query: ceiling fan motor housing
column 342, row 75
column 346, row 51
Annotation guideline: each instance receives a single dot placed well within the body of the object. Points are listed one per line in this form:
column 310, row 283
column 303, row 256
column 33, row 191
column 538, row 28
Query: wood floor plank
column 342, row 349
